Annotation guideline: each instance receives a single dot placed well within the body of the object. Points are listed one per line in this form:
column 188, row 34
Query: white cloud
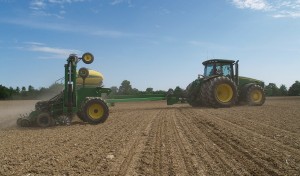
column 93, row 31
column 252, row 4
column 37, row 4
column 286, row 14
column 287, row 9
column 52, row 52
column 116, row 2
column 37, row 23
column 274, row 8
column 42, row 7
column 33, row 43
column 64, row 1
column 113, row 34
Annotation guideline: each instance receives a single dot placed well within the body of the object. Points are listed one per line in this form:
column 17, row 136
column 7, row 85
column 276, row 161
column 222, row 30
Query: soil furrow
column 221, row 135
column 216, row 161
column 132, row 147
column 185, row 150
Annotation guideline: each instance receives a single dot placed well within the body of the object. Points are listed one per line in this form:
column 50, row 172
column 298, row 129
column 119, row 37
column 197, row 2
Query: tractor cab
column 221, row 67
column 218, row 67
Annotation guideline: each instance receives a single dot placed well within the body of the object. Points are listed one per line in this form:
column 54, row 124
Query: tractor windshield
column 218, row 69
column 209, row 70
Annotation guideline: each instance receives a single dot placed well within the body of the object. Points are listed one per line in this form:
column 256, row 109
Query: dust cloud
column 11, row 110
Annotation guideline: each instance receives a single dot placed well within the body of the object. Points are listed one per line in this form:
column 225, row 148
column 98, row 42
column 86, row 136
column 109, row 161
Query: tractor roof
column 218, row 61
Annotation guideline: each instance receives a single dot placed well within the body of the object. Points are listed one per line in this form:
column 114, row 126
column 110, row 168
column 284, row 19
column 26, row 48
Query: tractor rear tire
column 95, row 111
column 192, row 95
column 222, row 92
column 204, row 93
column 255, row 96
column 44, row 120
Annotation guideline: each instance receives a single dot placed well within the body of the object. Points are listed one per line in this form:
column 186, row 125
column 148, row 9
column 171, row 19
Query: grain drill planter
column 81, row 96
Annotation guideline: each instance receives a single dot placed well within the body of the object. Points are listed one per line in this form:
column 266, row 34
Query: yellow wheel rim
column 88, row 57
column 224, row 93
column 95, row 111
column 256, row 96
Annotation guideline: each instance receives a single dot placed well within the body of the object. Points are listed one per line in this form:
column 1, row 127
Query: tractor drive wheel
column 80, row 116
column 255, row 96
column 222, row 92
column 95, row 111
column 23, row 122
column 44, row 120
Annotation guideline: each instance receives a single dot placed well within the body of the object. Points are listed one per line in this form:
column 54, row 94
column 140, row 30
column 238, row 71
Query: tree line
column 272, row 90
column 125, row 88
column 29, row 93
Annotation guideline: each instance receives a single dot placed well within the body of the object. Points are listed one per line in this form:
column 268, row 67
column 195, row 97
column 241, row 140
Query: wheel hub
column 224, row 93
column 256, row 96
column 95, row 111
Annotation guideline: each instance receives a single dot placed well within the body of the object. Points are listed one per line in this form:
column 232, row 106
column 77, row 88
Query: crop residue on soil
column 152, row 138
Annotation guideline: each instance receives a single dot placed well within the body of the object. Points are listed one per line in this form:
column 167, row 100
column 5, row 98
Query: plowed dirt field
column 151, row 138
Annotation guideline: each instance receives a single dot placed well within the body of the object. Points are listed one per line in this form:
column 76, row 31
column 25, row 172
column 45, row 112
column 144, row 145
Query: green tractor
column 221, row 86
column 82, row 99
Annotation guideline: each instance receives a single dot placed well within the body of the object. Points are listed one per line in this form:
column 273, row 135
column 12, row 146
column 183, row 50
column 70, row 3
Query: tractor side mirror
column 87, row 58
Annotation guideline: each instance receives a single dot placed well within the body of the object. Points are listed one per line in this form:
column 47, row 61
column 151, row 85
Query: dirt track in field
column 152, row 138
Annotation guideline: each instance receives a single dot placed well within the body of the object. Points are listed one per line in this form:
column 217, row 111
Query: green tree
column 30, row 88
column 23, row 89
column 125, row 88
column 4, row 92
column 149, row 90
column 114, row 90
column 178, row 91
column 160, row 92
column 294, row 90
column 272, row 90
column 135, row 91
column 283, row 90
column 18, row 90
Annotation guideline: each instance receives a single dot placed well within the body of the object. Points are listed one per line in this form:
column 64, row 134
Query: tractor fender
column 210, row 77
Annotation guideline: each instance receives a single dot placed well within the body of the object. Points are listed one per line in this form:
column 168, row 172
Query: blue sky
column 152, row 43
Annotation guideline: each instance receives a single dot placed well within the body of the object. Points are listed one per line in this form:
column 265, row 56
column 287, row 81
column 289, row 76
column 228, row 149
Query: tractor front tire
column 44, row 120
column 255, row 96
column 222, row 92
column 95, row 111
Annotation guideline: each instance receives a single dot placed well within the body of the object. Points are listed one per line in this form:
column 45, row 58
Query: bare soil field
column 151, row 138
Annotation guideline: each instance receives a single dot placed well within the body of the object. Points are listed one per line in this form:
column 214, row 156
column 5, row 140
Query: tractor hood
column 245, row 80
